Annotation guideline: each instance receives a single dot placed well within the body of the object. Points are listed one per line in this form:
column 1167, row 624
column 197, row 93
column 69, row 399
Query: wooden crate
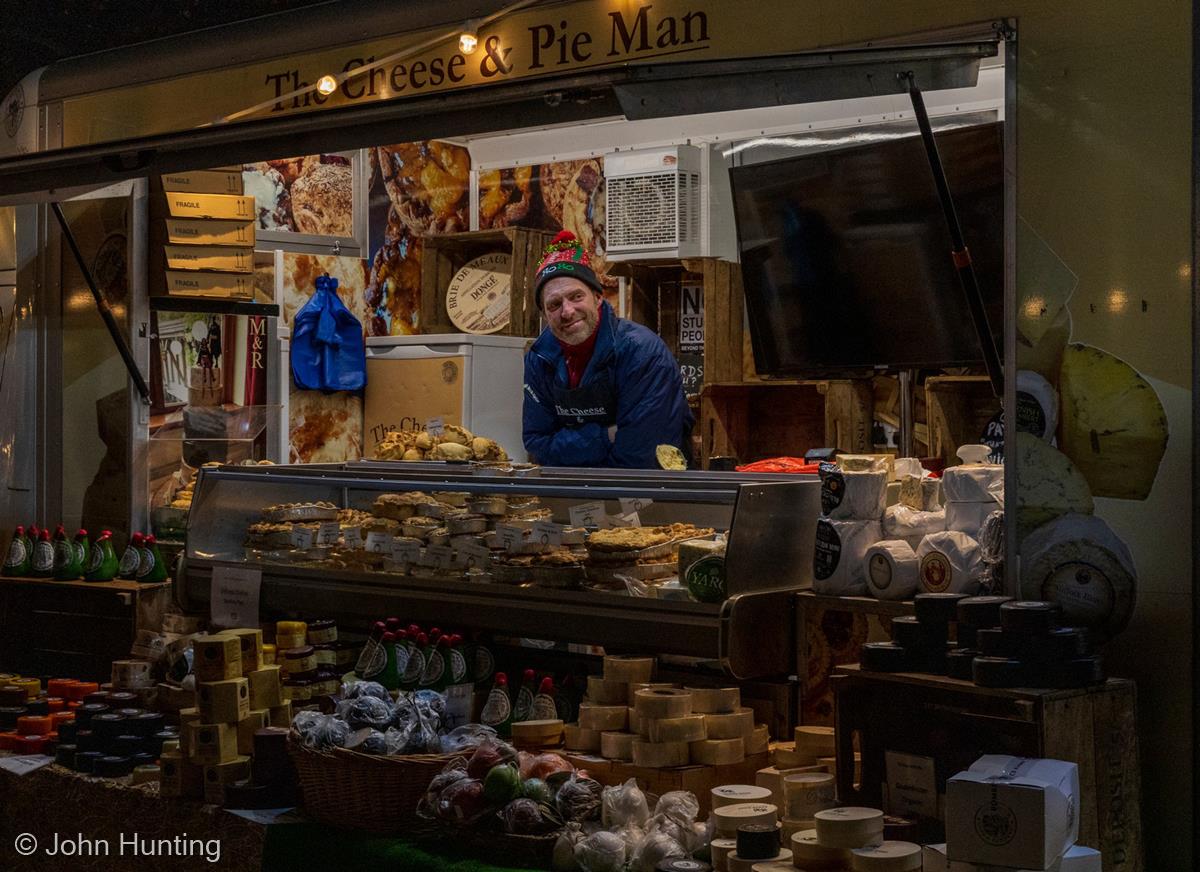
column 752, row 422
column 830, row 632
column 954, row 723
column 700, row 780
column 958, row 408
column 724, row 308
column 443, row 256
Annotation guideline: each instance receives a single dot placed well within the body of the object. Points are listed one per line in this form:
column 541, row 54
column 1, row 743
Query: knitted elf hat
column 565, row 256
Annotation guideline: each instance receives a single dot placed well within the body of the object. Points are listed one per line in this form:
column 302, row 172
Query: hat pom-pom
column 563, row 236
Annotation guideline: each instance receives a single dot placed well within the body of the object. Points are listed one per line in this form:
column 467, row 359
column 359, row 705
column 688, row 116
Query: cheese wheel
column 771, row 778
column 689, row 728
column 839, row 556
column 659, row 755
column 920, row 492
column 603, row 717
column 729, row 817
column 950, row 563
column 631, row 699
column 789, row 827
column 602, row 691
column 617, row 746
column 886, row 857
column 815, row 740
column 720, row 850
column 968, row 517
column 630, row 670
column 809, row 853
column 785, row 755
column 663, row 702
column 806, row 793
column 542, row 732
column 715, row 700
column 638, row 724
column 779, row 863
column 848, row 495
column 911, row 525
column 1078, row 562
column 718, row 752
column 971, row 483
column 579, row 739
column 849, row 827
column 734, row 725
column 868, row 462
column 892, row 570
column 759, row 741
column 735, row 794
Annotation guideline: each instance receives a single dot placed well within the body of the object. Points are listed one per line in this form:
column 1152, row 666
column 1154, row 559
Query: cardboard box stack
column 1013, row 813
column 207, row 227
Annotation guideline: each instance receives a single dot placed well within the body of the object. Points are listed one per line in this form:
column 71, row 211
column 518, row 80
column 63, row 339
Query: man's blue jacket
column 650, row 406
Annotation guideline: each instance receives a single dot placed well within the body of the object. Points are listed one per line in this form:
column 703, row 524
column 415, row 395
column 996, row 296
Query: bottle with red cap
column 43, row 556
column 458, row 662
column 525, row 693
column 132, row 557
column 102, row 562
column 544, row 708
column 151, row 568
column 19, row 561
column 418, row 656
column 388, row 676
column 435, row 665
column 64, row 555
column 498, row 710
column 82, row 551
column 371, row 659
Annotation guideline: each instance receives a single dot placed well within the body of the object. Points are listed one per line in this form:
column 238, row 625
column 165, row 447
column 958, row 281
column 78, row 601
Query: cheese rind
column 604, row 691
column 971, row 483
column 718, row 752
column 728, row 818
column 663, row 702
column 603, row 717
column 714, row 700
column 886, row 857
column 617, row 746
column 851, row 495
column 950, row 563
column 809, row 853
column 839, row 564
column 630, row 670
column 893, row 570
column 579, row 739
column 735, row 794
column 689, row 728
column 849, row 827
column 920, row 492
column 1049, row 484
column 659, row 755
column 731, row 725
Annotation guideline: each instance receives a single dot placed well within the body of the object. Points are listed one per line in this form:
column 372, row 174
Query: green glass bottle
column 102, row 560
column 132, row 557
column 80, row 544
column 389, row 678
column 433, row 678
column 371, row 660
column 19, row 561
column 43, row 556
column 498, row 710
column 458, row 661
column 64, row 555
column 411, row 679
column 151, row 568
column 481, row 661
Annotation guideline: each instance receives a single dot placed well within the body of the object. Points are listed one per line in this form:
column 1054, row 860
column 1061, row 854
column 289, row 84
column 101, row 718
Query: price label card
column 328, row 533
column 405, row 551
column 303, row 537
column 474, row 556
column 442, row 555
column 25, row 764
column 233, row 596
column 630, row 520
column 353, row 538
column 547, row 533
column 631, row 505
column 512, row 538
column 435, row 426
column 589, row 515
column 378, row 542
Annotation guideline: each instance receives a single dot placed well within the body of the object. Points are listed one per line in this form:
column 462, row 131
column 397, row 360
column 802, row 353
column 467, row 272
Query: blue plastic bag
column 328, row 352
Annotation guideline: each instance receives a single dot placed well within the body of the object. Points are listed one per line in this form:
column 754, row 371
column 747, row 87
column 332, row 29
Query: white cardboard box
column 1012, row 811
column 1077, row 859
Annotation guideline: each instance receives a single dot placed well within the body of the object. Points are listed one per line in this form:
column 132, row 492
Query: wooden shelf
column 212, row 305
column 119, row 585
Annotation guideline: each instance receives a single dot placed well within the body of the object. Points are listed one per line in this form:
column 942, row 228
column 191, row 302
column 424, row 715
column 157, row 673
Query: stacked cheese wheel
column 852, row 838
column 605, row 718
column 853, row 495
column 800, row 779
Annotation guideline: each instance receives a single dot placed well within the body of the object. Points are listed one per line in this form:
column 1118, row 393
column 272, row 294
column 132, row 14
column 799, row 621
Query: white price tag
column 353, row 538
column 547, row 533
column 328, row 533
column 303, row 537
column 512, row 538
column 435, row 426
column 631, row 505
column 630, row 520
column 378, row 542
column 589, row 515
column 474, row 556
column 405, row 551
column 233, row 595
column 442, row 556
column 25, row 764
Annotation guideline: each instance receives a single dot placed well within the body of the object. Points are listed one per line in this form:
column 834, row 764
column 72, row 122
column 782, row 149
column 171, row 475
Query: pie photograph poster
column 562, row 195
column 417, row 189
column 313, row 194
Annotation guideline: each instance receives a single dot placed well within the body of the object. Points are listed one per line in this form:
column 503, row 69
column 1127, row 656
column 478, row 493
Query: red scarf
column 578, row 356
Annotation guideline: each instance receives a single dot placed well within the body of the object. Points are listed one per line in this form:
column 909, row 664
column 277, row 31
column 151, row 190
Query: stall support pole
column 959, row 253
column 906, row 444
column 102, row 306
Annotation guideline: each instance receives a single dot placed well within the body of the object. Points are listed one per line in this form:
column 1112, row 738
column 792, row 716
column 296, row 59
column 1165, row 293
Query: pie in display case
column 590, row 556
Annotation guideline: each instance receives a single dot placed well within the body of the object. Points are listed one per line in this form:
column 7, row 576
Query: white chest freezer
column 472, row 381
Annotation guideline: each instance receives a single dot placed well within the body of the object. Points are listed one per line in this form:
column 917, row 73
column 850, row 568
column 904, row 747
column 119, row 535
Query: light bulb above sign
column 478, row 299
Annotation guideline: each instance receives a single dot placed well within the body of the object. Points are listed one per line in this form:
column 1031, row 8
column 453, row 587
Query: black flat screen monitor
column 846, row 255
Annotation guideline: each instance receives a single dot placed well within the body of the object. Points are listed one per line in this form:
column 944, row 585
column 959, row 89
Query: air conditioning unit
column 667, row 203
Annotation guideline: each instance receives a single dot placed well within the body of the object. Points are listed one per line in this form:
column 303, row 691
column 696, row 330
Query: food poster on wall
column 312, row 194
column 560, row 195
column 324, row 428
column 417, row 189
column 1091, row 432
column 300, row 274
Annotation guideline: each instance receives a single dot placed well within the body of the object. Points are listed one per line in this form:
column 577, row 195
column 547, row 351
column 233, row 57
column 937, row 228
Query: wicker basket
column 365, row 792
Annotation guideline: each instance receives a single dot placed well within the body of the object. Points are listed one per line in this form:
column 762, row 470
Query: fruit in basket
column 578, row 799
column 502, row 784
column 525, row 817
column 545, row 765
column 462, row 802
column 537, row 790
column 490, row 753
column 441, row 781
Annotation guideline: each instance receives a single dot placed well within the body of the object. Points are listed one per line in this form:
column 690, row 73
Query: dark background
column 35, row 33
